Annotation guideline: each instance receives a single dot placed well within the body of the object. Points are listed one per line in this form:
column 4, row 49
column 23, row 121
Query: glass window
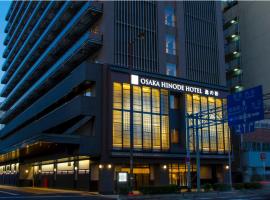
column 164, row 101
column 137, row 130
column 156, row 131
column 174, row 102
column 170, row 44
column 155, row 101
column 137, row 98
column 126, row 96
column 213, row 135
column 150, row 117
column 170, row 16
column 174, row 136
column 117, row 95
column 147, row 131
column 165, row 132
column 117, row 129
column 126, row 129
column 146, row 99
column 171, row 69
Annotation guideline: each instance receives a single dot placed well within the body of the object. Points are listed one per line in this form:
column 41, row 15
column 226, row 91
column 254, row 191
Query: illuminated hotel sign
column 136, row 80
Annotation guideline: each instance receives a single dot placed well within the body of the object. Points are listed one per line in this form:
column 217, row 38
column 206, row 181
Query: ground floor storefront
column 81, row 173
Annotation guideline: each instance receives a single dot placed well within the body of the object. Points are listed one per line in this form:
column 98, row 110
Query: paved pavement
column 29, row 193
column 231, row 195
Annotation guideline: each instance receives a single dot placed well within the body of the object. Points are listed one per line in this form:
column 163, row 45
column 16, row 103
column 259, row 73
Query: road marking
column 10, row 193
column 43, row 197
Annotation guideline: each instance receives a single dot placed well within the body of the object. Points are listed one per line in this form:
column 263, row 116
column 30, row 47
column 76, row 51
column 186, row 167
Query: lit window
column 170, row 16
column 117, row 129
column 150, row 118
column 213, row 137
column 174, row 136
column 170, row 44
column 156, row 131
column 171, row 69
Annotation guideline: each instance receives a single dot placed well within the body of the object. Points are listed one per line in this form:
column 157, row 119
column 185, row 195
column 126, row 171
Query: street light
column 141, row 36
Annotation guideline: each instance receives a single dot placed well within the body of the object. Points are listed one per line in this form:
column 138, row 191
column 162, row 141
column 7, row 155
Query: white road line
column 10, row 193
column 42, row 197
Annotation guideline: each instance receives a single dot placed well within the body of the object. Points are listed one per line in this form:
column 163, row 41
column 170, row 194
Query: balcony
column 229, row 4
column 12, row 15
column 15, row 23
column 12, row 5
column 231, row 23
column 78, row 25
column 232, row 33
column 39, row 21
column 21, row 96
column 20, row 27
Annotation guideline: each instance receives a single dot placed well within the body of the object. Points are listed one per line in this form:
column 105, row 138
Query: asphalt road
column 40, row 194
column 15, row 194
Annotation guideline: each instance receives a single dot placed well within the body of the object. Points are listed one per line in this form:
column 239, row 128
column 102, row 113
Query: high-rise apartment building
column 246, row 25
column 90, row 85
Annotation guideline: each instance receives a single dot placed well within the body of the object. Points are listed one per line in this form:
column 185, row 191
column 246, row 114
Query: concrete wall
column 255, row 42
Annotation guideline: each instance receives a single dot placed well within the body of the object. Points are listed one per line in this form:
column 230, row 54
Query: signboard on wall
column 122, row 177
column 136, row 80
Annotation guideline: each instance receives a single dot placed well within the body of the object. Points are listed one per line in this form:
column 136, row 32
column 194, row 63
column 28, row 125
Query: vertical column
column 106, row 179
column 54, row 173
column 75, row 171
column 161, row 174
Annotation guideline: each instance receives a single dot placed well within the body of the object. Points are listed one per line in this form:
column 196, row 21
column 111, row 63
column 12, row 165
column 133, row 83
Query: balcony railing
column 19, row 28
column 77, row 25
column 88, row 43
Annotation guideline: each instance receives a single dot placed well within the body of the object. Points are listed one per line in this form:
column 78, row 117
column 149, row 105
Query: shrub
column 253, row 185
column 207, row 187
column 221, row 187
column 166, row 189
column 123, row 190
column 239, row 186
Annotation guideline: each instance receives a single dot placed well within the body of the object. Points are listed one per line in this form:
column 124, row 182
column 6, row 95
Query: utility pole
column 141, row 35
column 198, row 154
column 188, row 155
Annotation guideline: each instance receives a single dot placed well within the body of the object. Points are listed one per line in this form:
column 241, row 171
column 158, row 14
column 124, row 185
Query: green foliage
column 124, row 190
column 166, row 189
column 207, row 187
column 221, row 187
column 253, row 185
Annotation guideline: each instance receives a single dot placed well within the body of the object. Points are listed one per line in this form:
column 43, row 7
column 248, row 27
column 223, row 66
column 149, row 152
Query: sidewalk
column 195, row 195
column 50, row 191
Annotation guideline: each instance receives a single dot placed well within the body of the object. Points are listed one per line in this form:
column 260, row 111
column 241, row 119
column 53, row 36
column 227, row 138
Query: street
column 9, row 192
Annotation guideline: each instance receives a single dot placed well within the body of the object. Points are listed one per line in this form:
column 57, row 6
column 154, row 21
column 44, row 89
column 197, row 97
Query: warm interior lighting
column 227, row 167
column 100, row 166
column 54, row 169
column 109, row 166
column 164, row 166
column 75, row 168
column 26, row 171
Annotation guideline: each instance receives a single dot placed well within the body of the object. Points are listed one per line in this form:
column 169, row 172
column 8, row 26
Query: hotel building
column 84, row 78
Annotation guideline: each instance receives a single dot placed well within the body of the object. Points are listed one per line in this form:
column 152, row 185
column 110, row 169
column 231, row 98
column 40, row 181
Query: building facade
column 246, row 44
column 88, row 82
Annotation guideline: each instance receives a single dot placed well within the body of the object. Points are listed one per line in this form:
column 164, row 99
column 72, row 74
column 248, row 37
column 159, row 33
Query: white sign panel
column 122, row 177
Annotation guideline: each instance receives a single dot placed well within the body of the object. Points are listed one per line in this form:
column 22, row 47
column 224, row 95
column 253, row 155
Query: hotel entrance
column 178, row 174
